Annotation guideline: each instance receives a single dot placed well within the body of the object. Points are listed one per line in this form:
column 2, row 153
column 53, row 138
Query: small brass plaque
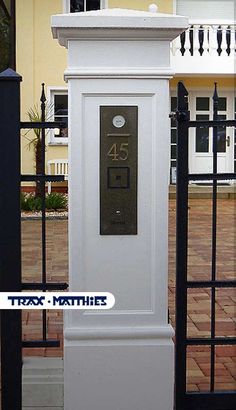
column 118, row 170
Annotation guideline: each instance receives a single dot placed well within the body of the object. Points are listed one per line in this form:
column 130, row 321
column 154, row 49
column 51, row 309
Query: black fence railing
column 212, row 400
column 10, row 234
column 42, row 178
column 10, row 238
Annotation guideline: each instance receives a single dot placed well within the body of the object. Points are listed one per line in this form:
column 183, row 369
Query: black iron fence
column 10, row 234
column 42, row 178
column 10, row 248
column 212, row 400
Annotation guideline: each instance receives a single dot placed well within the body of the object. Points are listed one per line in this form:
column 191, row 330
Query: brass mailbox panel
column 118, row 170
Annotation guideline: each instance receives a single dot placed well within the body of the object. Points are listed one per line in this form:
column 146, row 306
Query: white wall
column 206, row 9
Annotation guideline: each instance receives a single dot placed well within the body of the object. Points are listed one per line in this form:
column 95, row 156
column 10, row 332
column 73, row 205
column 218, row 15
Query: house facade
column 201, row 56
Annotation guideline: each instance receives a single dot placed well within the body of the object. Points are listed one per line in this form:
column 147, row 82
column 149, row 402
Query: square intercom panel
column 118, row 170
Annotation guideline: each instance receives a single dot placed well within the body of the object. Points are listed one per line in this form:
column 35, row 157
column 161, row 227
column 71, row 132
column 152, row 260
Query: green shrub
column 30, row 203
column 56, row 200
column 53, row 201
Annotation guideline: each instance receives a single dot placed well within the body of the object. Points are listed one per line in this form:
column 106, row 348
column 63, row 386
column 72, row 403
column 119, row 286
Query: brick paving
column 199, row 266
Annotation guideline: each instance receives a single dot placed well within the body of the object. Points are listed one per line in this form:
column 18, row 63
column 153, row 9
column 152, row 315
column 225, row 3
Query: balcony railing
column 208, row 38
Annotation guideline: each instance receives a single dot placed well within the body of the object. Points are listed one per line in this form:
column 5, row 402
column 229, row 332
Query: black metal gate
column 209, row 400
column 10, row 257
column 10, row 235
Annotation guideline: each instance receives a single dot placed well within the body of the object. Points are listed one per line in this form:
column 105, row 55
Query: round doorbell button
column 118, row 121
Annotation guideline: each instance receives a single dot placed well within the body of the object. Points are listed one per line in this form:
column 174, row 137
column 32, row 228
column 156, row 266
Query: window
column 202, row 134
column 84, row 5
column 59, row 109
column 203, row 142
column 76, row 6
column 202, row 104
column 222, row 115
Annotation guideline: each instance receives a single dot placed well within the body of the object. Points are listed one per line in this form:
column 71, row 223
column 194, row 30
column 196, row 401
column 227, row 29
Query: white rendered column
column 124, row 358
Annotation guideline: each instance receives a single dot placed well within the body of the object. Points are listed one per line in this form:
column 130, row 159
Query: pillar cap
column 10, row 75
column 117, row 23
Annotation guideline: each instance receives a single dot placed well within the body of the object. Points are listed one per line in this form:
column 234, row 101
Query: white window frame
column 234, row 145
column 203, row 18
column 51, row 92
column 66, row 5
column 174, row 5
column 207, row 92
column 172, row 168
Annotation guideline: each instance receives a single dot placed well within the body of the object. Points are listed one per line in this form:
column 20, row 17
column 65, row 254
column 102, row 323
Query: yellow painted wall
column 39, row 59
column 205, row 82
column 164, row 6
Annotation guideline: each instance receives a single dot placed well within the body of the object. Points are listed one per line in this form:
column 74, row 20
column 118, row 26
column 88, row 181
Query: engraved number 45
column 119, row 152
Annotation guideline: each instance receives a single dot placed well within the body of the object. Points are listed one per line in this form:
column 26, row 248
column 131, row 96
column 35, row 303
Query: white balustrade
column 211, row 44
column 205, row 39
column 187, row 44
column 173, row 47
column 210, row 40
column 215, row 40
column 196, row 44
column 176, row 46
column 232, row 39
column 224, row 41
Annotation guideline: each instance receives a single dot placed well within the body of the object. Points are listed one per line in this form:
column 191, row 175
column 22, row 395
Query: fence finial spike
column 215, row 95
column 43, row 96
column 182, row 97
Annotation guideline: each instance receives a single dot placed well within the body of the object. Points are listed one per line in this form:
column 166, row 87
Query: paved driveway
column 198, row 301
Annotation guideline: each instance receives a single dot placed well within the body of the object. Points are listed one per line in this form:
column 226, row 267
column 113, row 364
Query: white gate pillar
column 118, row 76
